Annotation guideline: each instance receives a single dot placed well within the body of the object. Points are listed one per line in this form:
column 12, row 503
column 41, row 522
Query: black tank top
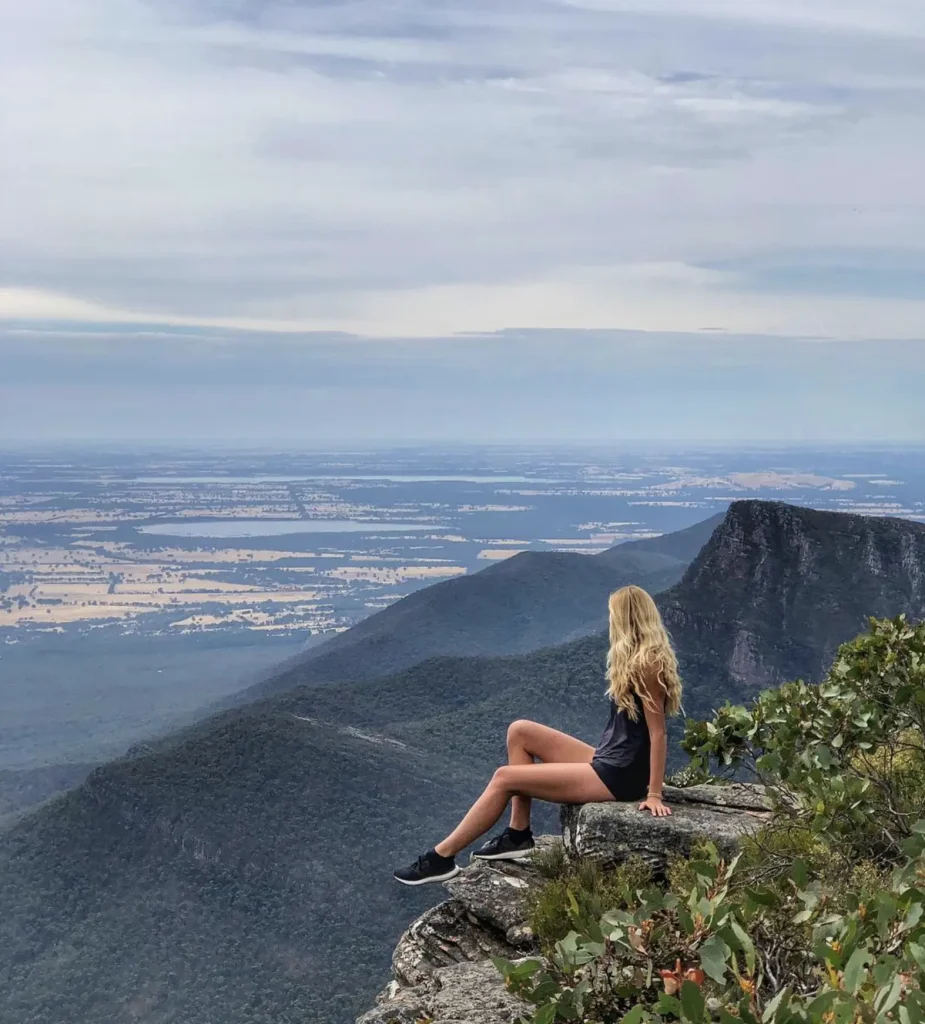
column 625, row 743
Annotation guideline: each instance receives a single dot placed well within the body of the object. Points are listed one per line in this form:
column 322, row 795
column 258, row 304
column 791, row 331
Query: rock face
column 441, row 937
column 441, row 966
column 464, row 994
column 777, row 588
column 612, row 832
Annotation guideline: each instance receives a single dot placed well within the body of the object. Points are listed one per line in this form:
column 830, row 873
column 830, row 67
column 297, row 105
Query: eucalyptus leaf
column 855, row 969
column 693, row 1004
column 713, row 953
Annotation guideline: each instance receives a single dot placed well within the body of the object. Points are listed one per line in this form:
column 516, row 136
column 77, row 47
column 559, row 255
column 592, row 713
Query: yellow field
column 183, row 555
column 398, row 575
column 111, row 580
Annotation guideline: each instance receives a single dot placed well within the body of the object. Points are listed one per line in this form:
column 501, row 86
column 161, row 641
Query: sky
column 462, row 219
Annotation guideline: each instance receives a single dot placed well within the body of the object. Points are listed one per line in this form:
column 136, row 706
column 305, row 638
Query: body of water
column 390, row 477
column 276, row 527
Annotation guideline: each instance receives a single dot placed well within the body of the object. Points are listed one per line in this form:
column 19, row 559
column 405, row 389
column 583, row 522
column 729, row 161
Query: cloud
column 895, row 17
column 449, row 166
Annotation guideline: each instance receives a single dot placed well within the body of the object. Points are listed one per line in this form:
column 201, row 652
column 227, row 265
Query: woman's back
column 624, row 741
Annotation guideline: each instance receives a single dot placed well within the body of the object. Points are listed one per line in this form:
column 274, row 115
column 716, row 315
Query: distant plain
column 137, row 587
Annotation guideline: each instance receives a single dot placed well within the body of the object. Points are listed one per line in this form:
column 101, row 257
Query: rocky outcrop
column 441, row 967
column 442, row 972
column 441, row 937
column 464, row 994
column 612, row 832
column 497, row 895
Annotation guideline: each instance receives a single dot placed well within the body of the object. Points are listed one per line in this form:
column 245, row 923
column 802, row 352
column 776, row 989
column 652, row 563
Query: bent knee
column 503, row 778
column 518, row 731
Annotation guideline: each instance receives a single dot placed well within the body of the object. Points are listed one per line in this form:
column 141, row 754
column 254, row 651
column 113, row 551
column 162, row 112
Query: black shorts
column 626, row 783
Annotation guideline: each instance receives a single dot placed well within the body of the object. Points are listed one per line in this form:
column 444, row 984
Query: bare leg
column 558, row 783
column 528, row 740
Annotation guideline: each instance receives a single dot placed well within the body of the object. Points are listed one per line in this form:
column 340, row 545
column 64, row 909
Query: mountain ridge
column 770, row 579
column 532, row 599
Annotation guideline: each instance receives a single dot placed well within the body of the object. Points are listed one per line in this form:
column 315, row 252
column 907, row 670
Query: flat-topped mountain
column 241, row 871
column 777, row 588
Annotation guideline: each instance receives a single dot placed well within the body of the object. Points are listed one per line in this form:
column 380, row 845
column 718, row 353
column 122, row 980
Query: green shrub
column 582, row 893
column 845, row 758
column 680, row 874
column 706, row 958
column 550, row 861
column 689, row 775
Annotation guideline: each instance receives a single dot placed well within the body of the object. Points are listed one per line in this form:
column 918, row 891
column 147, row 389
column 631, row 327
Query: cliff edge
column 441, row 967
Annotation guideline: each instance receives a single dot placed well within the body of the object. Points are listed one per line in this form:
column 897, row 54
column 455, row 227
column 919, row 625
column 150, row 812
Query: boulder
column 473, row 994
column 441, row 967
column 402, row 1009
column 612, row 832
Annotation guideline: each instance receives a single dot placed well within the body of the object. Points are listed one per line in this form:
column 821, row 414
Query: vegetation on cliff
column 819, row 920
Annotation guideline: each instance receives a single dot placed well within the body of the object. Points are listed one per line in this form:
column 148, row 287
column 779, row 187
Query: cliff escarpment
column 777, row 588
column 442, row 969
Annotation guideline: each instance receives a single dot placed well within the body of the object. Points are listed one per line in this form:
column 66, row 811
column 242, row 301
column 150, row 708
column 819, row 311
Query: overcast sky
column 462, row 218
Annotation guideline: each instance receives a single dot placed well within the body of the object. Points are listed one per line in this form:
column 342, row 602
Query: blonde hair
column 639, row 646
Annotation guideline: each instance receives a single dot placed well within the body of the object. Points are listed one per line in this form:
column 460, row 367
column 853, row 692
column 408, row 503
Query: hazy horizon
column 568, row 219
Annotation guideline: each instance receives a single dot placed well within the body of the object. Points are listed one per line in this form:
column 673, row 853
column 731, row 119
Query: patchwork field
column 172, row 543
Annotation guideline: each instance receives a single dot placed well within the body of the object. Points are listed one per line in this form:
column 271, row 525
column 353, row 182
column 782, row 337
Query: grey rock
column 496, row 893
column 444, row 935
column 466, row 993
column 441, row 967
column 472, row 994
column 736, row 796
column 612, row 832
column 406, row 1008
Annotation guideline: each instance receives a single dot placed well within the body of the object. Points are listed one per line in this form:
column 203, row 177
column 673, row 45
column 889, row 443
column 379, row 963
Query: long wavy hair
column 639, row 647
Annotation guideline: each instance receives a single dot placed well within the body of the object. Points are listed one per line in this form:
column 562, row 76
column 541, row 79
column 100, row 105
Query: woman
column 629, row 763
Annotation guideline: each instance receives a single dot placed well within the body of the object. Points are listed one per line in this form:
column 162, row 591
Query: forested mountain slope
column 241, row 872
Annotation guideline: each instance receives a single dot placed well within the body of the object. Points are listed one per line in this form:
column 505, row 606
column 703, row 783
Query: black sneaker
column 506, row 847
column 429, row 867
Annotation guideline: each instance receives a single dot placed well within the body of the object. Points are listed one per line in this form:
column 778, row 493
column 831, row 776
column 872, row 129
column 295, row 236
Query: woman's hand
column 655, row 804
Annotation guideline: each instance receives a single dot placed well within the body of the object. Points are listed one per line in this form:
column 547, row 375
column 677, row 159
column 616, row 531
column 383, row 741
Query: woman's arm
column 654, row 709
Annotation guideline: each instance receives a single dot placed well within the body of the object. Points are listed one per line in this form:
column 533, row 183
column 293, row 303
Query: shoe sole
column 433, row 878
column 511, row 855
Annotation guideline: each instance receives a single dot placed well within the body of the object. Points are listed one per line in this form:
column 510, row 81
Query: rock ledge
column 611, row 832
column 441, row 967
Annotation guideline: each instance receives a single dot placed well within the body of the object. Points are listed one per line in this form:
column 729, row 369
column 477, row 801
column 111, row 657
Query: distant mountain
column 533, row 599
column 683, row 545
column 777, row 588
column 240, row 873
column 770, row 597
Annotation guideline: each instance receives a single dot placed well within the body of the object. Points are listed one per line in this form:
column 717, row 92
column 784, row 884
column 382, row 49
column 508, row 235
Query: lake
column 276, row 527
column 396, row 478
